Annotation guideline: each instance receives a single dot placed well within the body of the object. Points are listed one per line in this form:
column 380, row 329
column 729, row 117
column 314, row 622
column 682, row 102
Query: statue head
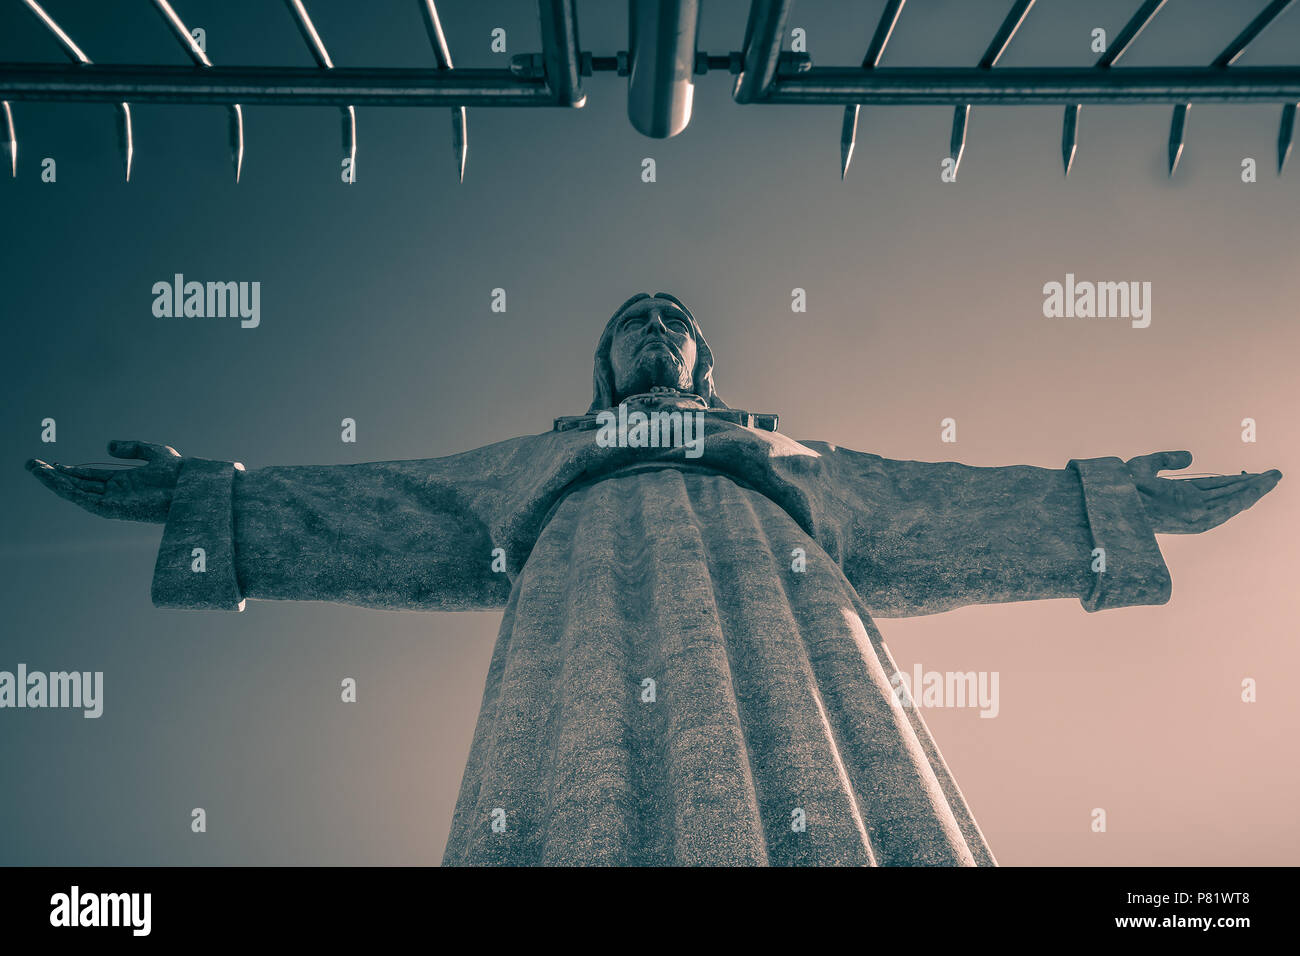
column 652, row 341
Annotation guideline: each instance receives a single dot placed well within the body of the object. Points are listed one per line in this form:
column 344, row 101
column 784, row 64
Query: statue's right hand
column 143, row 493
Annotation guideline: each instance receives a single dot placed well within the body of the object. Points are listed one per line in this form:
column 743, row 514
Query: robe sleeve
column 406, row 534
column 923, row 537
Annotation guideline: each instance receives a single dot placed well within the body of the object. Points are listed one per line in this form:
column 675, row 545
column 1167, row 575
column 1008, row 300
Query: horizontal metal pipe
column 302, row 86
column 832, row 86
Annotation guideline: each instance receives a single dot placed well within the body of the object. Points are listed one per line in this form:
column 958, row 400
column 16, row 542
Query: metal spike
column 442, row 54
column 459, row 140
column 957, row 143
column 13, row 139
column 884, row 30
column 848, row 136
column 236, row 114
column 1070, row 136
column 1285, row 135
column 1176, row 135
column 322, row 57
column 1225, row 59
column 1130, row 32
column 1010, row 24
column 125, row 136
column 349, row 115
column 197, row 54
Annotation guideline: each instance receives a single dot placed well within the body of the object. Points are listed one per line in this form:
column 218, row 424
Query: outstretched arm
column 407, row 534
column 924, row 537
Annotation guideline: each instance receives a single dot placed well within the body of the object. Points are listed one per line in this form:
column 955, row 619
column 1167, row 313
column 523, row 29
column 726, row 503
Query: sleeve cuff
column 1135, row 571
column 201, row 517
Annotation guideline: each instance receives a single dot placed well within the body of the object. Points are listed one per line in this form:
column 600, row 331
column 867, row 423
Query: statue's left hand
column 1193, row 505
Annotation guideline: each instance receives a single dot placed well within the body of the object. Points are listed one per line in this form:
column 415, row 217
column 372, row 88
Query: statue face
column 653, row 344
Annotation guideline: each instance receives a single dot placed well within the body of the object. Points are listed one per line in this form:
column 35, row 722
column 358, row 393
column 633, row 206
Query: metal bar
column 560, row 54
column 762, row 50
column 1118, row 47
column 75, row 53
column 303, row 86
column 69, row 47
column 961, row 114
column 1002, row 39
column 884, row 30
column 661, row 58
column 200, row 57
column 322, row 57
column 1177, row 126
column 442, row 54
column 1257, row 26
column 1013, row 86
column 879, row 40
column 12, row 141
column 1131, row 31
column 826, row 86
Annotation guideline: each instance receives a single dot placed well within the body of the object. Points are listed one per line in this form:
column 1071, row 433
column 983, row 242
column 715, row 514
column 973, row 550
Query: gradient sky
column 924, row 302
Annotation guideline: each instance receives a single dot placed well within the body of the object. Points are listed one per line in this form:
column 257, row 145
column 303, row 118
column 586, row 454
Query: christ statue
column 687, row 670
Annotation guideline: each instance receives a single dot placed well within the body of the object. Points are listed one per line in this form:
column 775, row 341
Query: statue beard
column 658, row 368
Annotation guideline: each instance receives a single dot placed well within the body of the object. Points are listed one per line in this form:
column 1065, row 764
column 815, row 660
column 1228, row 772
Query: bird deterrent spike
column 77, row 55
column 1070, row 136
column 442, row 54
column 459, row 140
column 1001, row 40
column 1229, row 56
column 322, row 57
column 349, row 115
column 125, row 137
column 849, row 128
column 848, row 136
column 1285, row 135
column 957, row 143
column 13, row 139
column 237, row 139
column 200, row 57
column 1136, row 24
column 1177, row 137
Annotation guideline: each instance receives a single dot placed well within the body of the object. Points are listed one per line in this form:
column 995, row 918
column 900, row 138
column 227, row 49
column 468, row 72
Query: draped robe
column 669, row 686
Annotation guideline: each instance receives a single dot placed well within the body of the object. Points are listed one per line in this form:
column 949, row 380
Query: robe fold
column 687, row 671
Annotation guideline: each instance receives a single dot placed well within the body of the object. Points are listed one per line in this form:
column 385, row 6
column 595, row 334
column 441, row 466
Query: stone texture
column 773, row 687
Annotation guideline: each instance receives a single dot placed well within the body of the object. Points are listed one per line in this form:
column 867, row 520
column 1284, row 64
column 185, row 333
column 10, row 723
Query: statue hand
column 1193, row 505
column 143, row 493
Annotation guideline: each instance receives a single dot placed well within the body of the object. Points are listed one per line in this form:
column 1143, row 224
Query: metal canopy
column 661, row 65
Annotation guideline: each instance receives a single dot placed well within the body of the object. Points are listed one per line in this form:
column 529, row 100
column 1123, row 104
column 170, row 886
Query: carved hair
column 603, row 389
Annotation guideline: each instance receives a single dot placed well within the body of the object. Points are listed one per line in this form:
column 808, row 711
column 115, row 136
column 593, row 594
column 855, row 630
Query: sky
column 924, row 302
